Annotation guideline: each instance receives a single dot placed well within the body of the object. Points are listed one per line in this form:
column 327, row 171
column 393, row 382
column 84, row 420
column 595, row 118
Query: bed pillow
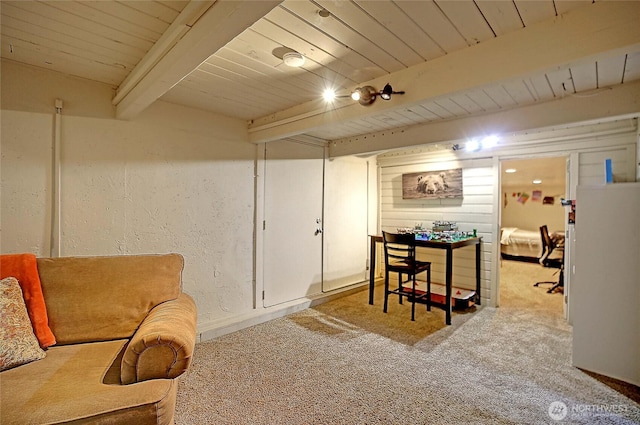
column 24, row 268
column 18, row 343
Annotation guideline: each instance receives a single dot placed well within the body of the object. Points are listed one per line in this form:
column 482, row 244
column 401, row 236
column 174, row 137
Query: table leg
column 372, row 269
column 478, row 298
column 448, row 285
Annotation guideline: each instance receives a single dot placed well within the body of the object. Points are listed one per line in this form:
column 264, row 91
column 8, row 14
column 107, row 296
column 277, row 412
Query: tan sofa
column 124, row 332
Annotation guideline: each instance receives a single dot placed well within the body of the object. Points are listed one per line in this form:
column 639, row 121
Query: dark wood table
column 449, row 246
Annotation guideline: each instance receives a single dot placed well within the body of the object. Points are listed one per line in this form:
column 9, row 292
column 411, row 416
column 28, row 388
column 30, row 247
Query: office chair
column 400, row 257
column 550, row 258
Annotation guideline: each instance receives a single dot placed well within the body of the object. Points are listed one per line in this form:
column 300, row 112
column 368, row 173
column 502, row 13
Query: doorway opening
column 531, row 190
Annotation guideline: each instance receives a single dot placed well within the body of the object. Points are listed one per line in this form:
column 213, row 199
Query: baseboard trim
column 225, row 326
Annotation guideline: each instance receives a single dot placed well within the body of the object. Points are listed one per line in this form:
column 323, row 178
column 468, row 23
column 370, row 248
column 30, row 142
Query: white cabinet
column 605, row 291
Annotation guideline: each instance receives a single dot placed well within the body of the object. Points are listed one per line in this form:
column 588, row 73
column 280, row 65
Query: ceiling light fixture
column 365, row 95
column 293, row 59
column 537, row 181
column 489, row 142
column 329, row 95
column 510, row 170
column 472, row 145
column 387, row 91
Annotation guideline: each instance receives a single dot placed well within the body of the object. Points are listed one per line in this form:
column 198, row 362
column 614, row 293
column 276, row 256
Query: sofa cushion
column 24, row 268
column 18, row 343
column 106, row 298
column 79, row 384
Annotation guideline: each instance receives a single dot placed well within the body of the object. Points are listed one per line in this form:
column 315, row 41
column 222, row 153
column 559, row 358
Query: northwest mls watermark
column 559, row 411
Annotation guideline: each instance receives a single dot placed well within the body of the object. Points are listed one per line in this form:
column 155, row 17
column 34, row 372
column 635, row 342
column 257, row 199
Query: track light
column 366, row 95
column 472, row 145
column 487, row 142
column 387, row 91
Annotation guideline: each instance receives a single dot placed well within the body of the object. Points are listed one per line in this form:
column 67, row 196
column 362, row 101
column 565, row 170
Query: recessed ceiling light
column 510, row 170
column 537, row 181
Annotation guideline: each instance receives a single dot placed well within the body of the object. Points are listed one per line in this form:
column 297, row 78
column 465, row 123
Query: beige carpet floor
column 346, row 362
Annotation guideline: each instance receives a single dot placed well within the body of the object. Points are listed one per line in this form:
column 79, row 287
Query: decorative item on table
column 406, row 230
column 445, row 226
column 423, row 235
column 447, row 231
column 447, row 236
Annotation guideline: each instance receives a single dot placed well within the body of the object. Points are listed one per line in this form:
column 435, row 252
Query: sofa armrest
column 163, row 345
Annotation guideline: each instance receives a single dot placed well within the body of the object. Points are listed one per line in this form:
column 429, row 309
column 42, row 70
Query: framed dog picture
column 432, row 184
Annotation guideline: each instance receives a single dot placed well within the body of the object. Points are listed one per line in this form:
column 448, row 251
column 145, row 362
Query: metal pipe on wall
column 56, row 185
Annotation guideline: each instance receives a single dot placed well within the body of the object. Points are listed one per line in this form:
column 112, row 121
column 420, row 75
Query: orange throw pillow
column 25, row 268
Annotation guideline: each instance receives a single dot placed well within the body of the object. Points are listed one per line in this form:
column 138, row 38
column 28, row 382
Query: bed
column 520, row 244
column 525, row 245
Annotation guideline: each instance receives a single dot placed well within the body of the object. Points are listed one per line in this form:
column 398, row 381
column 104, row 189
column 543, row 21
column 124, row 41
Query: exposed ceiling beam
column 618, row 101
column 178, row 28
column 218, row 25
column 603, row 28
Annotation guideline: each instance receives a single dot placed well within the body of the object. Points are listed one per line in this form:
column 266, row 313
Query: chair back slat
column 399, row 248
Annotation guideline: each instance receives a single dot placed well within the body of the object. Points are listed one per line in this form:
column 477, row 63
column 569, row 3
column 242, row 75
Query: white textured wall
column 172, row 180
column 25, row 169
column 149, row 187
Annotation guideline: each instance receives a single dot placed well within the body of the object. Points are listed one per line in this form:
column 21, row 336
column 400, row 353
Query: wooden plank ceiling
column 225, row 56
column 98, row 40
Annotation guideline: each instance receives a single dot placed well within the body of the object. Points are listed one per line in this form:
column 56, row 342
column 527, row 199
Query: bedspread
column 520, row 243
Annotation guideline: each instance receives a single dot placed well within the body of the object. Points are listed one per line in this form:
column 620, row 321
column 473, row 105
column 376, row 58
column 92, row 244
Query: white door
column 292, row 221
column 345, row 217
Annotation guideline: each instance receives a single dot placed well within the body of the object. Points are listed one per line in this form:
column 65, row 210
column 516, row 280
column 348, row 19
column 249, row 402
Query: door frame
column 568, row 178
column 260, row 167
column 260, row 220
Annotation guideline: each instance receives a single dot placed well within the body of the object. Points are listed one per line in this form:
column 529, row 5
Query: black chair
column 400, row 257
column 551, row 257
